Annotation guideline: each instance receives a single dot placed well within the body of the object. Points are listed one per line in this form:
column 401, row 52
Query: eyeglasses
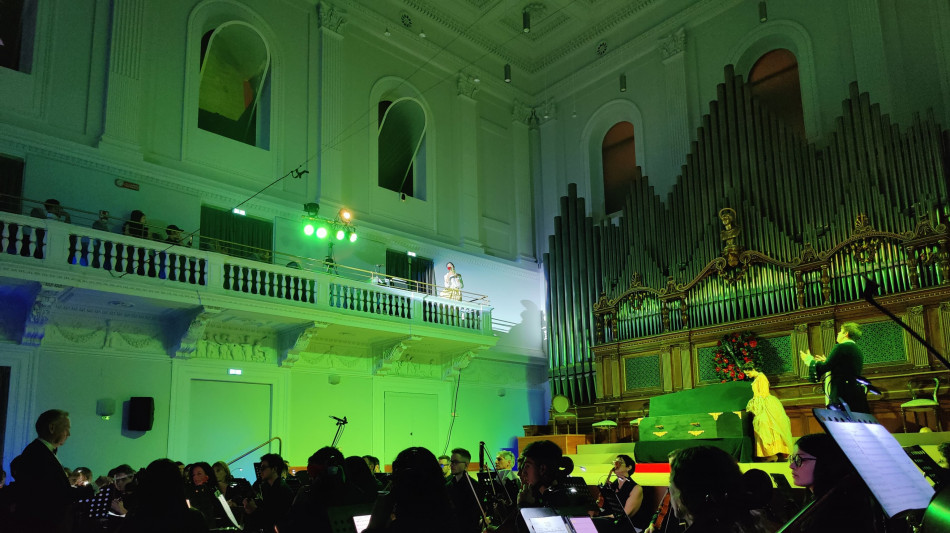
column 458, row 462
column 798, row 459
column 443, row 464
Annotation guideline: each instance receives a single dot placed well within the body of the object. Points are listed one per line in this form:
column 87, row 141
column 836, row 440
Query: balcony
column 49, row 268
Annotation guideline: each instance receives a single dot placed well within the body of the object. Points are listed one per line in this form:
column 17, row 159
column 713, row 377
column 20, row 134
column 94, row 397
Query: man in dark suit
column 840, row 370
column 43, row 495
column 463, row 493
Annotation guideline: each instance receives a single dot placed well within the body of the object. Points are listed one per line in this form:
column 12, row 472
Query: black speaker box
column 141, row 413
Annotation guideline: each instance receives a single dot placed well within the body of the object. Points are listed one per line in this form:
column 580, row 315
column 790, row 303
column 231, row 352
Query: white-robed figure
column 453, row 284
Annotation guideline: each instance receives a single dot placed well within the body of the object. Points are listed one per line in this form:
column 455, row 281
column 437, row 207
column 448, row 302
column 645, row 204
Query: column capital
column 331, row 17
column 467, row 86
column 673, row 44
column 521, row 112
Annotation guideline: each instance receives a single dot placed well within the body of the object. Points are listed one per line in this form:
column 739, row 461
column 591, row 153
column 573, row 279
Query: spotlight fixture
column 526, row 21
column 308, row 230
column 340, row 234
column 311, row 208
column 422, row 34
column 763, row 12
column 345, row 215
column 387, row 32
column 321, row 232
column 507, row 72
column 352, row 236
column 623, row 83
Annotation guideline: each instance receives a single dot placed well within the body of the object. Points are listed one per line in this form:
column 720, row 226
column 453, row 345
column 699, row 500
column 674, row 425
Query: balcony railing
column 56, row 245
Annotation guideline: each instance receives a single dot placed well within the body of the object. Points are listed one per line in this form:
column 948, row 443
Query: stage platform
column 594, row 461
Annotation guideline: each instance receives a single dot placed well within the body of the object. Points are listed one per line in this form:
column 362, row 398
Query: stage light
column 353, row 237
column 311, row 208
column 308, row 230
column 340, row 234
column 345, row 215
column 321, row 232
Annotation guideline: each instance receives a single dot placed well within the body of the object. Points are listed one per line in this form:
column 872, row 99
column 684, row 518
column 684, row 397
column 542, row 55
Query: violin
column 661, row 513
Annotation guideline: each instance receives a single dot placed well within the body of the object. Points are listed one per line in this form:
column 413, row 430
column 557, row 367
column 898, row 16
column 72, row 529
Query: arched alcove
column 592, row 138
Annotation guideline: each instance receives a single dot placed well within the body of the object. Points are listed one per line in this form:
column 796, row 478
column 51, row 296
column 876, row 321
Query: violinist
column 504, row 475
column 624, row 496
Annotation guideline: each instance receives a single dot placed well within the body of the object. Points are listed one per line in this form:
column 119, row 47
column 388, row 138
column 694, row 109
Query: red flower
column 741, row 375
column 719, row 343
column 745, row 352
column 746, row 359
column 723, row 381
column 753, row 343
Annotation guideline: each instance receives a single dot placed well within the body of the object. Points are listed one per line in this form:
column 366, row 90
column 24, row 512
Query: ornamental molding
column 521, row 112
column 291, row 342
column 187, row 328
column 392, row 354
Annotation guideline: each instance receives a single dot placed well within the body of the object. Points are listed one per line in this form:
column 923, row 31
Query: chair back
column 936, row 388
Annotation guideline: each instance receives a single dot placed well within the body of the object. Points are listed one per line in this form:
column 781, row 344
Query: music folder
column 880, row 460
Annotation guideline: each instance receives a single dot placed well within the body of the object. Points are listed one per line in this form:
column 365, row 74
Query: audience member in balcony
column 452, row 281
column 102, row 223
column 162, row 507
column 840, row 370
column 51, row 210
column 136, row 226
column 200, row 492
column 271, row 506
column 44, row 497
column 418, row 502
column 819, row 465
column 173, row 236
column 708, row 493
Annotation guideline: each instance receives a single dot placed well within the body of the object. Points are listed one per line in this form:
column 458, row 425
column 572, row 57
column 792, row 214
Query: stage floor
column 593, row 461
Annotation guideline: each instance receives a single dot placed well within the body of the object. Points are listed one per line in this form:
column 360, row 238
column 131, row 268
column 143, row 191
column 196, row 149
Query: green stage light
column 321, row 232
column 340, row 234
column 353, row 237
column 308, row 230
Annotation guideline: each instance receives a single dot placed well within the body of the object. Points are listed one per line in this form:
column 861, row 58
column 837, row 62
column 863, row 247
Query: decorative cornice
column 293, row 341
column 195, row 321
column 673, row 44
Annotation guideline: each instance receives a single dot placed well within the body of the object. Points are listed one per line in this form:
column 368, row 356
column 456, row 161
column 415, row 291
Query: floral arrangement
column 736, row 352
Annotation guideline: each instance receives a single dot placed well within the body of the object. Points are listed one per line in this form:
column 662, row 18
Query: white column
column 673, row 48
column 870, row 59
column 331, row 96
column 548, row 183
column 123, row 91
column 470, row 213
column 521, row 174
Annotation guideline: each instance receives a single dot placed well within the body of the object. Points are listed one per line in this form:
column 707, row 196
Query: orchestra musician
column 624, row 497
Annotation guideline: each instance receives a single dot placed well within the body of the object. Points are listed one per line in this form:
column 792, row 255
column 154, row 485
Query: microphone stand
column 340, row 426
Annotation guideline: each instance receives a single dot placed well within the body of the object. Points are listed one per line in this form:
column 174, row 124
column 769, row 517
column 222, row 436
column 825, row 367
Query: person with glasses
column 819, row 465
column 272, row 507
column 463, row 492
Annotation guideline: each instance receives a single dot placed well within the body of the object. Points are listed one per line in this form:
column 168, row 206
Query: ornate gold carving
column 864, row 250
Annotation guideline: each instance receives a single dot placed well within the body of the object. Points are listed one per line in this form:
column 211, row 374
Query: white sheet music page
column 891, row 475
column 548, row 524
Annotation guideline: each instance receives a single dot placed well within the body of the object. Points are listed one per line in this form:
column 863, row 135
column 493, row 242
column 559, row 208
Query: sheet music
column 583, row 524
column 548, row 524
column 877, row 456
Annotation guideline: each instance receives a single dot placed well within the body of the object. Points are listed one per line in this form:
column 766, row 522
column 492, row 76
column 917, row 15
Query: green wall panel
column 642, row 372
column 704, row 358
column 777, row 355
column 882, row 342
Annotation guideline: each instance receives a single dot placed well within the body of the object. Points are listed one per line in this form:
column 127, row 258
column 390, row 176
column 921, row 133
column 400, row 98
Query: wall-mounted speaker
column 141, row 413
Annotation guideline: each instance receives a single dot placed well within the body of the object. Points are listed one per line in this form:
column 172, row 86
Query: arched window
column 774, row 80
column 234, row 92
column 620, row 165
column 401, row 147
